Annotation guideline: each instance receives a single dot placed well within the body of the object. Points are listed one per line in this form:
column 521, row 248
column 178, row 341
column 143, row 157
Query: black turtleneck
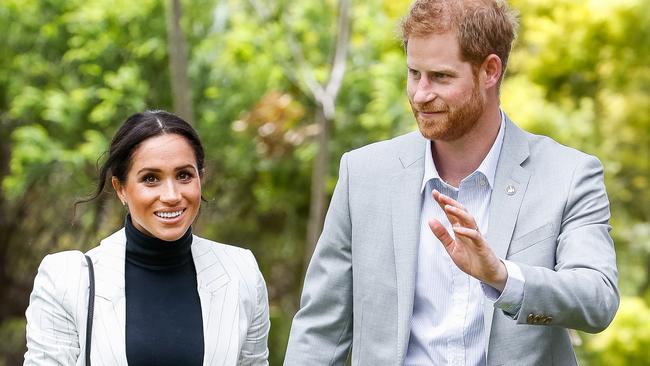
column 163, row 311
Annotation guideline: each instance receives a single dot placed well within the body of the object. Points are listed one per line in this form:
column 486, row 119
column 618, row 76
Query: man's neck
column 457, row 159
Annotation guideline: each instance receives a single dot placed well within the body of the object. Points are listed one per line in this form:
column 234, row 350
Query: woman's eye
column 149, row 179
column 184, row 176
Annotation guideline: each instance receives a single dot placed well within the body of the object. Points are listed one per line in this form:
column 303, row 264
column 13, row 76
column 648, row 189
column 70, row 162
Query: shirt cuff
column 512, row 297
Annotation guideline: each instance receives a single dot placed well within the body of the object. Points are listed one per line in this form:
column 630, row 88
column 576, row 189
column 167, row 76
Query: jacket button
column 548, row 320
column 531, row 319
column 538, row 319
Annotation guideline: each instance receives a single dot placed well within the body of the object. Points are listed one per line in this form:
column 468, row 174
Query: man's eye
column 414, row 73
column 439, row 75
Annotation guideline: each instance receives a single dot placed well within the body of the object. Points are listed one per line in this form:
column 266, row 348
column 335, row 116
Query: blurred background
column 278, row 90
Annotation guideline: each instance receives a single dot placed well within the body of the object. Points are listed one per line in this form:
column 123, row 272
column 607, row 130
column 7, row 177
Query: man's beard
column 455, row 122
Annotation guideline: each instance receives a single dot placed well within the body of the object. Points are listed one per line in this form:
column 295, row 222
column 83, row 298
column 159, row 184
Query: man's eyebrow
column 437, row 70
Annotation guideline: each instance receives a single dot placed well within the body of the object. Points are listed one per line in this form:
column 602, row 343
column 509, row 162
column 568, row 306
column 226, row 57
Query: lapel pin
column 511, row 190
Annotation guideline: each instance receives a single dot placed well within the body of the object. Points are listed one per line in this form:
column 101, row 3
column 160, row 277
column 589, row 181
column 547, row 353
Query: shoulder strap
column 91, row 307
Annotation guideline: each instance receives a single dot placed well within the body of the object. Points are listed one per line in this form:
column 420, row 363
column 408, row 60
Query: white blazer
column 231, row 289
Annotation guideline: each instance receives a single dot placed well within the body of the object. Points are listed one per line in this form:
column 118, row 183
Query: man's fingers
column 437, row 196
column 472, row 234
column 462, row 217
column 440, row 232
column 455, row 212
column 443, row 200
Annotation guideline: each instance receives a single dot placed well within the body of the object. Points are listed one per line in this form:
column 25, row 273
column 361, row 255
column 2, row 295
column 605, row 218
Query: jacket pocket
column 531, row 238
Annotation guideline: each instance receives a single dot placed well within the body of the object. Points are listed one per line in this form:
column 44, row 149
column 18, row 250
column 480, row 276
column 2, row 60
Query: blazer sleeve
column 51, row 325
column 321, row 332
column 581, row 291
column 255, row 349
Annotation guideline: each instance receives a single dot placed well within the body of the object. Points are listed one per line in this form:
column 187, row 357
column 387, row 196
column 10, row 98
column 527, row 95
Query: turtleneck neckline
column 156, row 254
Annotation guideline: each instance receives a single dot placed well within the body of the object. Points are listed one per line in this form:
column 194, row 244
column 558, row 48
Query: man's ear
column 491, row 70
column 119, row 189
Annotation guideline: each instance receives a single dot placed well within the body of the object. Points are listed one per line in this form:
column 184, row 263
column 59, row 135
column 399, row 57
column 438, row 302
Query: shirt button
column 482, row 182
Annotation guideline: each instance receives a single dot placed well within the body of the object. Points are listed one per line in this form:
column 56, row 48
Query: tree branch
column 340, row 55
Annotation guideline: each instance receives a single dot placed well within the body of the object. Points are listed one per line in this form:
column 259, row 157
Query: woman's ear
column 119, row 189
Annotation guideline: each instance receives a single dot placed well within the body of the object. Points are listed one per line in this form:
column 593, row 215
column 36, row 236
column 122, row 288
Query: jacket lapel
column 109, row 339
column 406, row 203
column 510, row 184
column 219, row 296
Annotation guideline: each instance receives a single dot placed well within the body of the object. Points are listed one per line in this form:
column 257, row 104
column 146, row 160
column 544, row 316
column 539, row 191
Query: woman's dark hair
column 135, row 130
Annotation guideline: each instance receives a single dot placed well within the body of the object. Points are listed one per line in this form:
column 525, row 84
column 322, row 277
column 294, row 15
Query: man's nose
column 424, row 92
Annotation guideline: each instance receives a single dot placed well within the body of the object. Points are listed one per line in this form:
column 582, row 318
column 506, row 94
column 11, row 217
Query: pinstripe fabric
column 447, row 326
column 231, row 289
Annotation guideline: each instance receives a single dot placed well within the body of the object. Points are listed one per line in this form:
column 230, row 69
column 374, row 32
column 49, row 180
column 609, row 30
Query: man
column 471, row 242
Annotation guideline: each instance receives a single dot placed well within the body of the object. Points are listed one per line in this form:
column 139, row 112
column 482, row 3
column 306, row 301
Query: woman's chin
column 170, row 234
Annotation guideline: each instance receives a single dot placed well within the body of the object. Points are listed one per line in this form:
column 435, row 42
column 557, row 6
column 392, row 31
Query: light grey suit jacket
column 549, row 213
column 231, row 289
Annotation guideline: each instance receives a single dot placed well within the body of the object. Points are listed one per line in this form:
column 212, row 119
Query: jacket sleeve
column 255, row 350
column 52, row 337
column 581, row 291
column 321, row 332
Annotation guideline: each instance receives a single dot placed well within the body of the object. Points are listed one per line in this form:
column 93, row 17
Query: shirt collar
column 488, row 166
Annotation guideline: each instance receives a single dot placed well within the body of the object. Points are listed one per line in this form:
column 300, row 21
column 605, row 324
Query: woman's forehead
column 163, row 152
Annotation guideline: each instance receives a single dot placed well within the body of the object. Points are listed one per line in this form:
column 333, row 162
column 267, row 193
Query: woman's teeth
column 169, row 215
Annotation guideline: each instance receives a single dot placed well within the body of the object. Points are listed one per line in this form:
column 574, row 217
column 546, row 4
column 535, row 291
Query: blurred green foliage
column 627, row 340
column 71, row 71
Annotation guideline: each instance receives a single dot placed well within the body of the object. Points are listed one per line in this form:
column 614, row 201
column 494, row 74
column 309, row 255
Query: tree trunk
column 177, row 48
column 318, row 185
column 6, row 230
column 326, row 99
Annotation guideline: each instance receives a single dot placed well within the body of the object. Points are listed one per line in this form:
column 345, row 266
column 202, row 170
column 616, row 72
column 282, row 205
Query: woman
column 162, row 295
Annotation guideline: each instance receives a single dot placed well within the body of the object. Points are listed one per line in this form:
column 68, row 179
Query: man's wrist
column 501, row 277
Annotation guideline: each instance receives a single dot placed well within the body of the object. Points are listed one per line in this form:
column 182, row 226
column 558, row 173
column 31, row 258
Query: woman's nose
column 170, row 192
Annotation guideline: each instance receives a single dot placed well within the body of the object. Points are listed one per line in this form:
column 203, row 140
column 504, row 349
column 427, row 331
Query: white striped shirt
column 447, row 326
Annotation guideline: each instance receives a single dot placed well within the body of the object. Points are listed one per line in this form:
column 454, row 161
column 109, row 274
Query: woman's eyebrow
column 157, row 170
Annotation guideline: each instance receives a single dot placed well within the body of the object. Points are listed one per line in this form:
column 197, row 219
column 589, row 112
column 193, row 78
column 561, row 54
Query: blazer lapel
column 406, row 203
column 510, row 184
column 219, row 296
column 109, row 339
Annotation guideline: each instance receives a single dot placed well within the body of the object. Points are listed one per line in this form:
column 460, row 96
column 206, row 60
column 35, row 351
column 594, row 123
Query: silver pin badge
column 511, row 190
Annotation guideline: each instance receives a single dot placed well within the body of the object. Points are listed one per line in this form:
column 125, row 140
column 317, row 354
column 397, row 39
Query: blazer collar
column 411, row 149
column 211, row 274
column 406, row 203
column 109, row 332
column 218, row 295
column 110, row 257
column 510, row 185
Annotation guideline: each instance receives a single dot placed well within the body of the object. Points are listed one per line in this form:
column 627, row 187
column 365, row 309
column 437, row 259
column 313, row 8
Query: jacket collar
column 218, row 295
